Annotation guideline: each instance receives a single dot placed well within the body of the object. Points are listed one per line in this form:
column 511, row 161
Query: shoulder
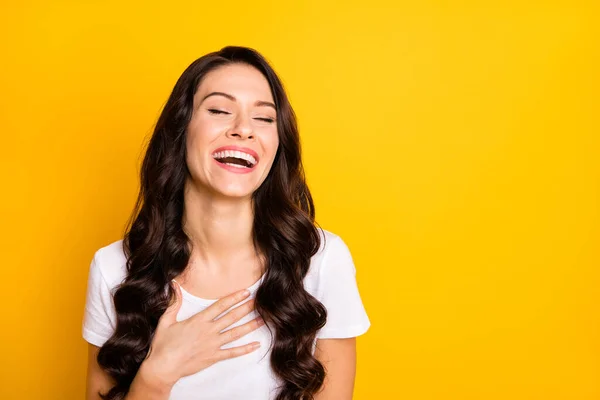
column 332, row 246
column 332, row 281
column 111, row 263
column 333, row 253
column 107, row 271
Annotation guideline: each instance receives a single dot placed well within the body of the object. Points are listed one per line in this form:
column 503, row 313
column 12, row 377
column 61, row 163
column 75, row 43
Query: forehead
column 239, row 80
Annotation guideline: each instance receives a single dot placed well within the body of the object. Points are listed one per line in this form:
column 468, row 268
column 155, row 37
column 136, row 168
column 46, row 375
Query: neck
column 220, row 228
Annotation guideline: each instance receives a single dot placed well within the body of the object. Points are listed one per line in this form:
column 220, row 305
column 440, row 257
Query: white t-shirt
column 331, row 279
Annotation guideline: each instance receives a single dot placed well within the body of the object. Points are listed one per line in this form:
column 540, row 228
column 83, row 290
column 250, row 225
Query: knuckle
column 235, row 298
column 241, row 331
column 231, row 335
column 246, row 308
column 222, row 307
column 222, row 304
column 247, row 328
column 231, row 352
column 237, row 314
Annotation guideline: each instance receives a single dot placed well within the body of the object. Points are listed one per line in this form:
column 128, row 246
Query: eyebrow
column 258, row 103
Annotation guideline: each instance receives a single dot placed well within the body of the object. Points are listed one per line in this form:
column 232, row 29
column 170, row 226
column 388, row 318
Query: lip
column 238, row 148
column 235, row 169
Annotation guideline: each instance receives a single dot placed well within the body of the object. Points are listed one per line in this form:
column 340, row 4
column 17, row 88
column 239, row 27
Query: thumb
column 170, row 315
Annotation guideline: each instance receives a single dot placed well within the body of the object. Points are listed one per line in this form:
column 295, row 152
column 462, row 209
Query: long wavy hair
column 158, row 250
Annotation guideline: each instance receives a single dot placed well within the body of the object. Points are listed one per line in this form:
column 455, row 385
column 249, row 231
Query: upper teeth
column 236, row 154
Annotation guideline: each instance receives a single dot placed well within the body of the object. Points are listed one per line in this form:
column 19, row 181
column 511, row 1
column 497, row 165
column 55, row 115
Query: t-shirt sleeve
column 99, row 316
column 338, row 291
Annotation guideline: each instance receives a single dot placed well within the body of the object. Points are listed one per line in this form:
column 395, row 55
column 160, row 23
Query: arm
column 143, row 386
column 97, row 379
column 338, row 356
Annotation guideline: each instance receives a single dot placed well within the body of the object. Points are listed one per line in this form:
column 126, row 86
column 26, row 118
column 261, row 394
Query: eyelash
column 214, row 111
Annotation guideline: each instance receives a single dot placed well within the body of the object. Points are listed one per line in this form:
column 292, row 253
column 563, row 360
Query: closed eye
column 269, row 120
column 215, row 111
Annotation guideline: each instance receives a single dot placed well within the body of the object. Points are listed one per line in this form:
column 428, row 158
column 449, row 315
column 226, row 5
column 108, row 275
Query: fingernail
column 245, row 292
column 260, row 321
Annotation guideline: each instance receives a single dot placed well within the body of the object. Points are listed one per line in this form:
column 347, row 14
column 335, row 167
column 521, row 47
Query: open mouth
column 235, row 158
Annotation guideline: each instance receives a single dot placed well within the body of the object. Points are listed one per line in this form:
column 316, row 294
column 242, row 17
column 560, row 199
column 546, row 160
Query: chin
column 234, row 192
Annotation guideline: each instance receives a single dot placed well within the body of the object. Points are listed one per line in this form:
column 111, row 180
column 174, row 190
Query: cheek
column 201, row 134
column 272, row 143
column 208, row 126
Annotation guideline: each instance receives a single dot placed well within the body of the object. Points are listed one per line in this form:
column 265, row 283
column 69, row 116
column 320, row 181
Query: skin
column 338, row 356
column 219, row 219
column 219, row 216
column 182, row 348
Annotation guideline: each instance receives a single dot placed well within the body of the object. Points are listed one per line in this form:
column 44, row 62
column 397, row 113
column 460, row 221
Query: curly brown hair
column 158, row 250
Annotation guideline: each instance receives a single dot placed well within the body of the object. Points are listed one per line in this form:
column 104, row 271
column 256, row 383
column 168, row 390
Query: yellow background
column 453, row 145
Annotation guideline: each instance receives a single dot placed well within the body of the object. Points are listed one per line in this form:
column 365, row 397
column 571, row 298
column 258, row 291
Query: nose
column 242, row 128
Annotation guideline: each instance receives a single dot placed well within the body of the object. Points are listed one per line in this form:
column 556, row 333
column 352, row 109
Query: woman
column 223, row 206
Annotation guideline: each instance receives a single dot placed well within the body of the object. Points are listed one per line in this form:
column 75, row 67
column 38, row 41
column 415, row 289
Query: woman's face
column 232, row 137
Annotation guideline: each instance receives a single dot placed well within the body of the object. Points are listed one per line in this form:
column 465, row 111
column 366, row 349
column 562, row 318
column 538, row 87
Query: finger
column 234, row 315
column 170, row 315
column 239, row 331
column 224, row 304
column 232, row 352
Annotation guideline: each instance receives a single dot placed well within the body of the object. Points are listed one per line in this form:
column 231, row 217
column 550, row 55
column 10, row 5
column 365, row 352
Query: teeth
column 235, row 165
column 236, row 154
